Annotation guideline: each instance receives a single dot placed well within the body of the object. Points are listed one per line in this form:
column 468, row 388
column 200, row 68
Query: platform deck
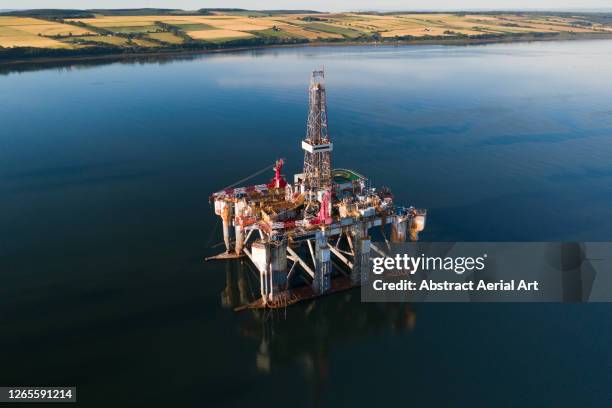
column 295, row 295
column 224, row 256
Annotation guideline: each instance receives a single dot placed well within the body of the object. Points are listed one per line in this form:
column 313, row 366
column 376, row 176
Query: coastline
column 162, row 54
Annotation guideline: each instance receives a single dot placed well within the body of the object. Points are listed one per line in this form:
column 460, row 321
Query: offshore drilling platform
column 316, row 227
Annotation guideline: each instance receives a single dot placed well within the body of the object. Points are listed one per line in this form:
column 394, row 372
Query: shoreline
column 113, row 57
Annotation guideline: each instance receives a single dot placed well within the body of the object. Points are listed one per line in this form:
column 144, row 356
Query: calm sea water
column 105, row 171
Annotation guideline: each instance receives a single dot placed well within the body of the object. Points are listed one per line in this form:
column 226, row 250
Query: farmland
column 31, row 32
column 141, row 31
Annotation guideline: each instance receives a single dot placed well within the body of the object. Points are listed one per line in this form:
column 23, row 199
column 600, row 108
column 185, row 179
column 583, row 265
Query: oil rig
column 318, row 227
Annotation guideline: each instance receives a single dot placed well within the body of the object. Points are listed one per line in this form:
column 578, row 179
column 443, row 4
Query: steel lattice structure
column 317, row 145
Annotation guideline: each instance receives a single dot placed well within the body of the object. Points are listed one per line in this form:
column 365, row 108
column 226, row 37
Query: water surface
column 105, row 173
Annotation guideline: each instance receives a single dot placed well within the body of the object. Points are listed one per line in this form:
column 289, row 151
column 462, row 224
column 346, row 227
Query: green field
column 133, row 29
column 193, row 27
column 100, row 39
column 278, row 33
column 327, row 28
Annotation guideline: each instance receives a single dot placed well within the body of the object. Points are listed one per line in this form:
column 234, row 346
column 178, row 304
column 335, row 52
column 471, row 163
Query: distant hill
column 222, row 10
column 72, row 13
column 141, row 12
column 245, row 11
column 90, row 13
column 292, row 11
column 50, row 13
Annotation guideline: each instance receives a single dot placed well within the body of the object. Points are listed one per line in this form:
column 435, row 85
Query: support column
column 238, row 229
column 226, row 216
column 398, row 229
column 271, row 261
column 361, row 249
column 261, row 258
column 417, row 223
column 322, row 279
column 278, row 267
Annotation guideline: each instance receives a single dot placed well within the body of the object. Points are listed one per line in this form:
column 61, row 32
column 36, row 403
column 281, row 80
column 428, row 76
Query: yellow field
column 418, row 25
column 422, row 32
column 217, row 34
column 108, row 40
column 10, row 37
column 311, row 35
column 221, row 22
column 144, row 43
column 242, row 26
column 32, row 32
column 54, row 29
column 126, row 23
column 166, row 37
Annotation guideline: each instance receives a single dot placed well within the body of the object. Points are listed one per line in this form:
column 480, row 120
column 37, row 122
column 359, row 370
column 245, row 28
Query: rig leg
column 323, row 269
column 261, row 258
column 238, row 229
column 226, row 216
column 278, row 267
column 271, row 261
column 361, row 264
column 398, row 229
column 239, row 239
column 414, row 235
column 417, row 224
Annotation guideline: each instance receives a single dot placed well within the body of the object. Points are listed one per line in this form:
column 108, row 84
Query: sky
column 324, row 5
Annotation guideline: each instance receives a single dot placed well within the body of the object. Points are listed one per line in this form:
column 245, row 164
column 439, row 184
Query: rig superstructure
column 318, row 225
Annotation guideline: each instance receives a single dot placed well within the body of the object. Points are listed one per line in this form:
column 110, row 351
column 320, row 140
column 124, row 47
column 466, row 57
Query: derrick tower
column 317, row 146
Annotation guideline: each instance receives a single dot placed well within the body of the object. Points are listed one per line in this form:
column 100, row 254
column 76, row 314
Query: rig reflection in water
column 321, row 327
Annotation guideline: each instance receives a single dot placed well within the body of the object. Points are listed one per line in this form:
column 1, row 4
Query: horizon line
column 383, row 10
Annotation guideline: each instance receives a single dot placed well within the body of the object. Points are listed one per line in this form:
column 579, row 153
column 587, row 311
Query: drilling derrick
column 317, row 146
